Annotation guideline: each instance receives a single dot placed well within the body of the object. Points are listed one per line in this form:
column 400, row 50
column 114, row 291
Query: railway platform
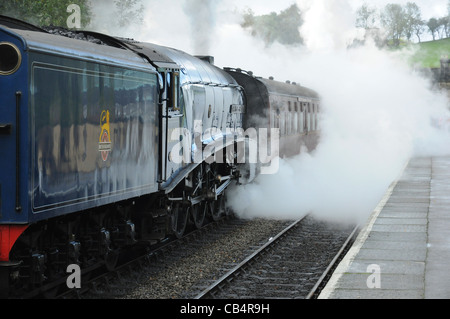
column 403, row 251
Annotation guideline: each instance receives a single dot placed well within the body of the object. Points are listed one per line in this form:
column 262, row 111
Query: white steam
column 202, row 18
column 376, row 112
column 327, row 24
column 376, row 115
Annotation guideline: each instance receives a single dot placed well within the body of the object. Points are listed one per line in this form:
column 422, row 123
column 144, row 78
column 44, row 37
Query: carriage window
column 317, row 117
column 313, row 118
column 175, row 91
column 181, row 103
column 307, row 117
column 295, row 119
column 276, row 118
column 288, row 120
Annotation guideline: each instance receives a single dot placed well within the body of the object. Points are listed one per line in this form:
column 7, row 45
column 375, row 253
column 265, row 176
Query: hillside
column 430, row 53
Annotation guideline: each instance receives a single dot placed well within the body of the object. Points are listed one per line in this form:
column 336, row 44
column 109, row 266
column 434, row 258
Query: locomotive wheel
column 180, row 215
column 221, row 205
column 213, row 212
column 198, row 214
column 111, row 259
column 211, row 203
column 198, row 211
column 217, row 208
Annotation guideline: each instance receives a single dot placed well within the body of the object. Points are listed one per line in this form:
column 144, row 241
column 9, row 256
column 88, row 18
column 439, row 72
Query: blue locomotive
column 109, row 142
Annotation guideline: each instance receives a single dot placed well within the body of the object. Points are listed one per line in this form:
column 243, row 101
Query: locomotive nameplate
column 237, row 108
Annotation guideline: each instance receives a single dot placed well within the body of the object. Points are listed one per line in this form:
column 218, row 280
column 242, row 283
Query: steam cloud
column 376, row 111
column 201, row 14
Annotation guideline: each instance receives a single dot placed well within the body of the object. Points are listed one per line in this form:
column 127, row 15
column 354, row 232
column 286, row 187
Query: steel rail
column 315, row 290
column 227, row 277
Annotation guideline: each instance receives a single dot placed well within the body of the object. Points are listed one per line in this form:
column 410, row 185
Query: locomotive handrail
column 18, row 99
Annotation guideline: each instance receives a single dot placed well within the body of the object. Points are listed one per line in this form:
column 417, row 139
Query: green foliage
column 365, row 17
column 282, row 27
column 393, row 20
column 54, row 12
column 403, row 22
column 129, row 11
column 45, row 12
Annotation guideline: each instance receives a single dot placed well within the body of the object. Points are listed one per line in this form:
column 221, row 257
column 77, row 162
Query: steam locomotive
column 107, row 143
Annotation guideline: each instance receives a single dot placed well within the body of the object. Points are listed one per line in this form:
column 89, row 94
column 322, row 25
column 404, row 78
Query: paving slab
column 403, row 251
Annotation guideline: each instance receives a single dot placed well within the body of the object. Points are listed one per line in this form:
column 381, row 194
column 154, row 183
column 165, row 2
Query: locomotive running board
column 173, row 181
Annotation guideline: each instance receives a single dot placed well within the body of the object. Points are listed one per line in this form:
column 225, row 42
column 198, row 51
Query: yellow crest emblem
column 104, row 145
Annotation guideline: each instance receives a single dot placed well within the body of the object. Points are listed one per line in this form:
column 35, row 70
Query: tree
column 444, row 27
column 113, row 16
column 129, row 11
column 365, row 17
column 393, row 19
column 419, row 28
column 413, row 20
column 398, row 21
column 45, row 12
column 433, row 25
column 54, row 12
column 282, row 27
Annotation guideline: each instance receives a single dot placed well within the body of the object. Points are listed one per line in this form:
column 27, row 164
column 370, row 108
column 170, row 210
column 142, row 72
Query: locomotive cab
column 78, row 131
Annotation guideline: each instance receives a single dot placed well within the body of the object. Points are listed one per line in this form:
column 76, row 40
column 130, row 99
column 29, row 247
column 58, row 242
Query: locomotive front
column 13, row 118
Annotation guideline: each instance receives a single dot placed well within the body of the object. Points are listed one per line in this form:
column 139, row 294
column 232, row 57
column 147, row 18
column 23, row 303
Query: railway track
column 109, row 284
column 294, row 264
column 279, row 259
column 156, row 273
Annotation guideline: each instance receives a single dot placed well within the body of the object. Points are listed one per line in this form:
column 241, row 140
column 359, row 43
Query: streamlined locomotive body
column 110, row 142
